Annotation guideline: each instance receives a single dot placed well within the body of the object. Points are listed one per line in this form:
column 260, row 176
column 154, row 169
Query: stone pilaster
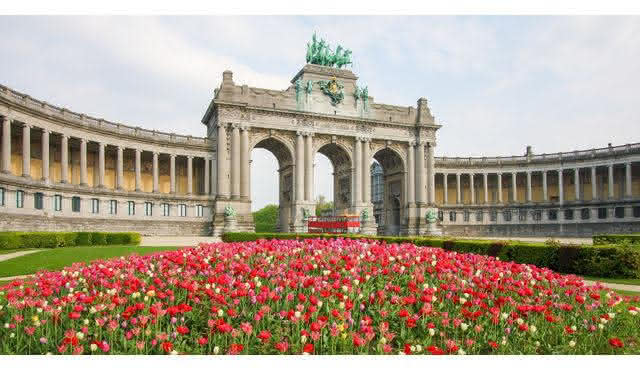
column 308, row 168
column 431, row 176
column 245, row 158
column 421, row 173
column 357, row 179
column 26, row 150
column 45, row 156
column 411, row 174
column 6, row 145
column 138, row 170
column 64, row 159
column 83, row 162
column 235, row 162
column 299, row 175
column 206, row 177
column 221, row 162
column 366, row 172
column 172, row 173
column 155, row 169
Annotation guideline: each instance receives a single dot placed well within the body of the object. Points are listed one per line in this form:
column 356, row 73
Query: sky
column 495, row 83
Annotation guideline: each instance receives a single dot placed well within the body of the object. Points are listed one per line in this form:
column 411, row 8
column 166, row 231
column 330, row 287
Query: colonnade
column 577, row 187
column 83, row 142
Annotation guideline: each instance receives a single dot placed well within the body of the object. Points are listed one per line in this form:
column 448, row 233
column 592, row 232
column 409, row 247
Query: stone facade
column 62, row 170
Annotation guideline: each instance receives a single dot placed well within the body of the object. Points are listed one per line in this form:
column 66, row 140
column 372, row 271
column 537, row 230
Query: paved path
column 527, row 239
column 177, row 241
column 8, row 256
column 629, row 288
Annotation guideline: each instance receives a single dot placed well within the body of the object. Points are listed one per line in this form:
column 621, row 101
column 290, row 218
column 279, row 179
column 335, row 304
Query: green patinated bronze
column 431, row 216
column 364, row 215
column 333, row 89
column 319, row 52
column 229, row 211
column 306, row 213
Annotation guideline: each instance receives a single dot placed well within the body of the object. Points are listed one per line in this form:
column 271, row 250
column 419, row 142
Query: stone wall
column 13, row 222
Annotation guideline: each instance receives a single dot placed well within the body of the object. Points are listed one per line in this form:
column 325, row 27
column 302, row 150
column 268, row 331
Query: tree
column 322, row 205
column 266, row 219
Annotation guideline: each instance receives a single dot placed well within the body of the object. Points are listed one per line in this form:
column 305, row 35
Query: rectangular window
column 493, row 215
column 20, row 199
column 38, row 200
column 183, row 210
column 479, row 216
column 602, row 213
column 165, row 209
column 113, row 207
column 75, row 204
column 2, row 192
column 522, row 215
column 553, row 214
column 568, row 214
column 537, row 215
column 199, row 210
column 585, row 213
column 465, row 216
column 148, row 209
column 131, row 205
column 507, row 216
column 636, row 211
column 95, row 205
column 440, row 216
column 57, row 202
column 452, row 216
column 619, row 212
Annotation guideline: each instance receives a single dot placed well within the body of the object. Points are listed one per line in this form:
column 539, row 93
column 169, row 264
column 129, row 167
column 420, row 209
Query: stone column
column 172, row 173
column 473, row 188
column 610, row 181
column 421, row 192
column 431, row 174
column 545, row 191
column 221, row 161
column 26, row 150
column 627, row 176
column 83, row 162
column 206, row 176
column 6, row 145
column 529, row 187
column 244, row 164
column 120, row 169
column 444, row 186
column 576, row 182
column 64, row 159
column 514, row 187
column 594, row 184
column 189, row 174
column 486, row 187
column 235, row 162
column 458, row 193
column 214, row 179
column 499, row 187
column 308, row 168
column 366, row 172
column 138, row 170
column 411, row 174
column 560, row 189
column 45, row 156
column 299, row 175
column 357, row 178
column 101, row 165
column 155, row 172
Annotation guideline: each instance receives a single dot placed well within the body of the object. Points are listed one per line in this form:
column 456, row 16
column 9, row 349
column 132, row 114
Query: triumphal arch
column 324, row 110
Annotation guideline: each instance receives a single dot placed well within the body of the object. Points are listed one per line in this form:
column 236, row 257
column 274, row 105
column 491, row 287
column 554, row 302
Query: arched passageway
column 389, row 205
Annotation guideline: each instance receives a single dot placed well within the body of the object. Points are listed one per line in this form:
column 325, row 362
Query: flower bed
column 317, row 297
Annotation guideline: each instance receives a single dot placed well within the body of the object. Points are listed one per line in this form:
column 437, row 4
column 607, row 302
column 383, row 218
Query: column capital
column 46, row 130
column 120, row 148
column 221, row 125
column 172, row 155
column 138, row 150
column 245, row 128
column 411, row 143
column 84, row 141
column 27, row 125
column 189, row 156
column 432, row 144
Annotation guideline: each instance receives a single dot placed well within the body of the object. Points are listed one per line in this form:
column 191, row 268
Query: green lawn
column 626, row 292
column 57, row 259
column 626, row 281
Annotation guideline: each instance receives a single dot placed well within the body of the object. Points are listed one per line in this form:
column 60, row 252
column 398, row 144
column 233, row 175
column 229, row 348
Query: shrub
column 616, row 239
column 10, row 240
column 83, row 238
column 98, row 238
column 45, row 239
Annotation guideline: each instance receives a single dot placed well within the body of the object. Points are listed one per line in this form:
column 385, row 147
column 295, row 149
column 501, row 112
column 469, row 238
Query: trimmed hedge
column 616, row 239
column 16, row 239
column 606, row 260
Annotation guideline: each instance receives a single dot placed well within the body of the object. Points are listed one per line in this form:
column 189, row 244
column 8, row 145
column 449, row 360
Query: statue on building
column 320, row 53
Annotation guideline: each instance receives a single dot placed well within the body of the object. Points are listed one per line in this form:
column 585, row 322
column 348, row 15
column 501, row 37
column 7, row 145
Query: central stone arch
column 282, row 150
column 393, row 207
column 340, row 157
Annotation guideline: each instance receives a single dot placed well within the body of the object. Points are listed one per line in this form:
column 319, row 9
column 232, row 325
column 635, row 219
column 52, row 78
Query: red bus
column 333, row 224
